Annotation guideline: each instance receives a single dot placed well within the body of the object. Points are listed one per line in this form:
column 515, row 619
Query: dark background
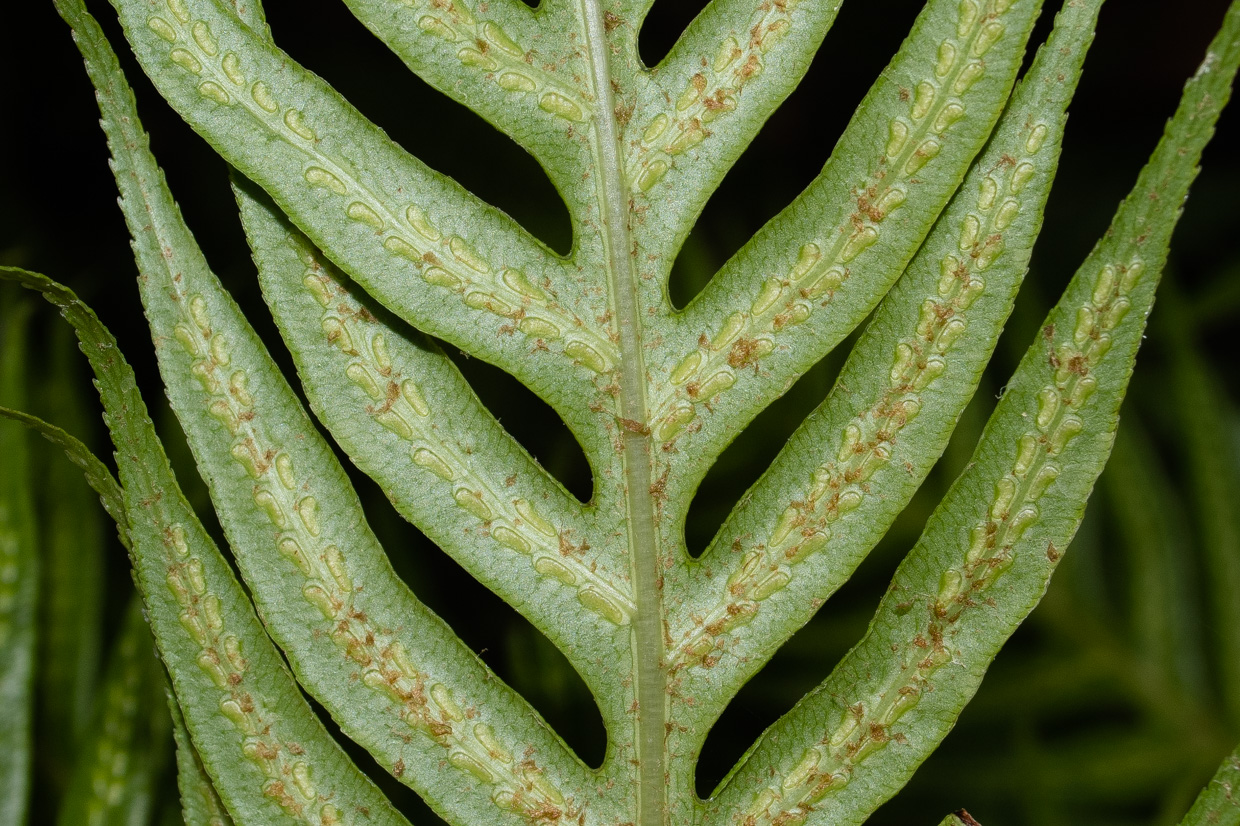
column 1039, row 745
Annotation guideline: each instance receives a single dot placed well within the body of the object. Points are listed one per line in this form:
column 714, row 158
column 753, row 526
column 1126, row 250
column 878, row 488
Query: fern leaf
column 200, row 805
column 988, row 551
column 922, row 221
column 430, row 251
column 512, row 523
column 499, row 59
column 854, row 464
column 270, row 758
column 705, row 102
column 318, row 575
column 95, row 472
column 826, row 260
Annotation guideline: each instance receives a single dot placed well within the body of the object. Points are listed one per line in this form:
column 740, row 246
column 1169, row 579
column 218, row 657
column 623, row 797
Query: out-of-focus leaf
column 121, row 760
column 72, row 544
column 19, row 573
column 1152, row 531
column 1203, row 412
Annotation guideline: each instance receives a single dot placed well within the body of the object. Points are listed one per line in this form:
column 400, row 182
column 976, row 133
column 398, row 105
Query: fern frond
column 703, row 104
column 914, row 238
column 481, row 497
column 814, row 272
column 200, row 805
column 386, row 668
column 433, row 253
column 988, row 551
column 851, row 468
column 272, row 761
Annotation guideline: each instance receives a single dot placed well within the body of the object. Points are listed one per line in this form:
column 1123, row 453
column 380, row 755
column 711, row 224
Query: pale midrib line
column 639, row 503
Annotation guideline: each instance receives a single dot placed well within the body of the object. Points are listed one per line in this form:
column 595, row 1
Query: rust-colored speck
column 743, row 352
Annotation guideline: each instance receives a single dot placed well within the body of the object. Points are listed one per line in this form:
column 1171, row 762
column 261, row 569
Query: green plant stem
column 639, row 504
